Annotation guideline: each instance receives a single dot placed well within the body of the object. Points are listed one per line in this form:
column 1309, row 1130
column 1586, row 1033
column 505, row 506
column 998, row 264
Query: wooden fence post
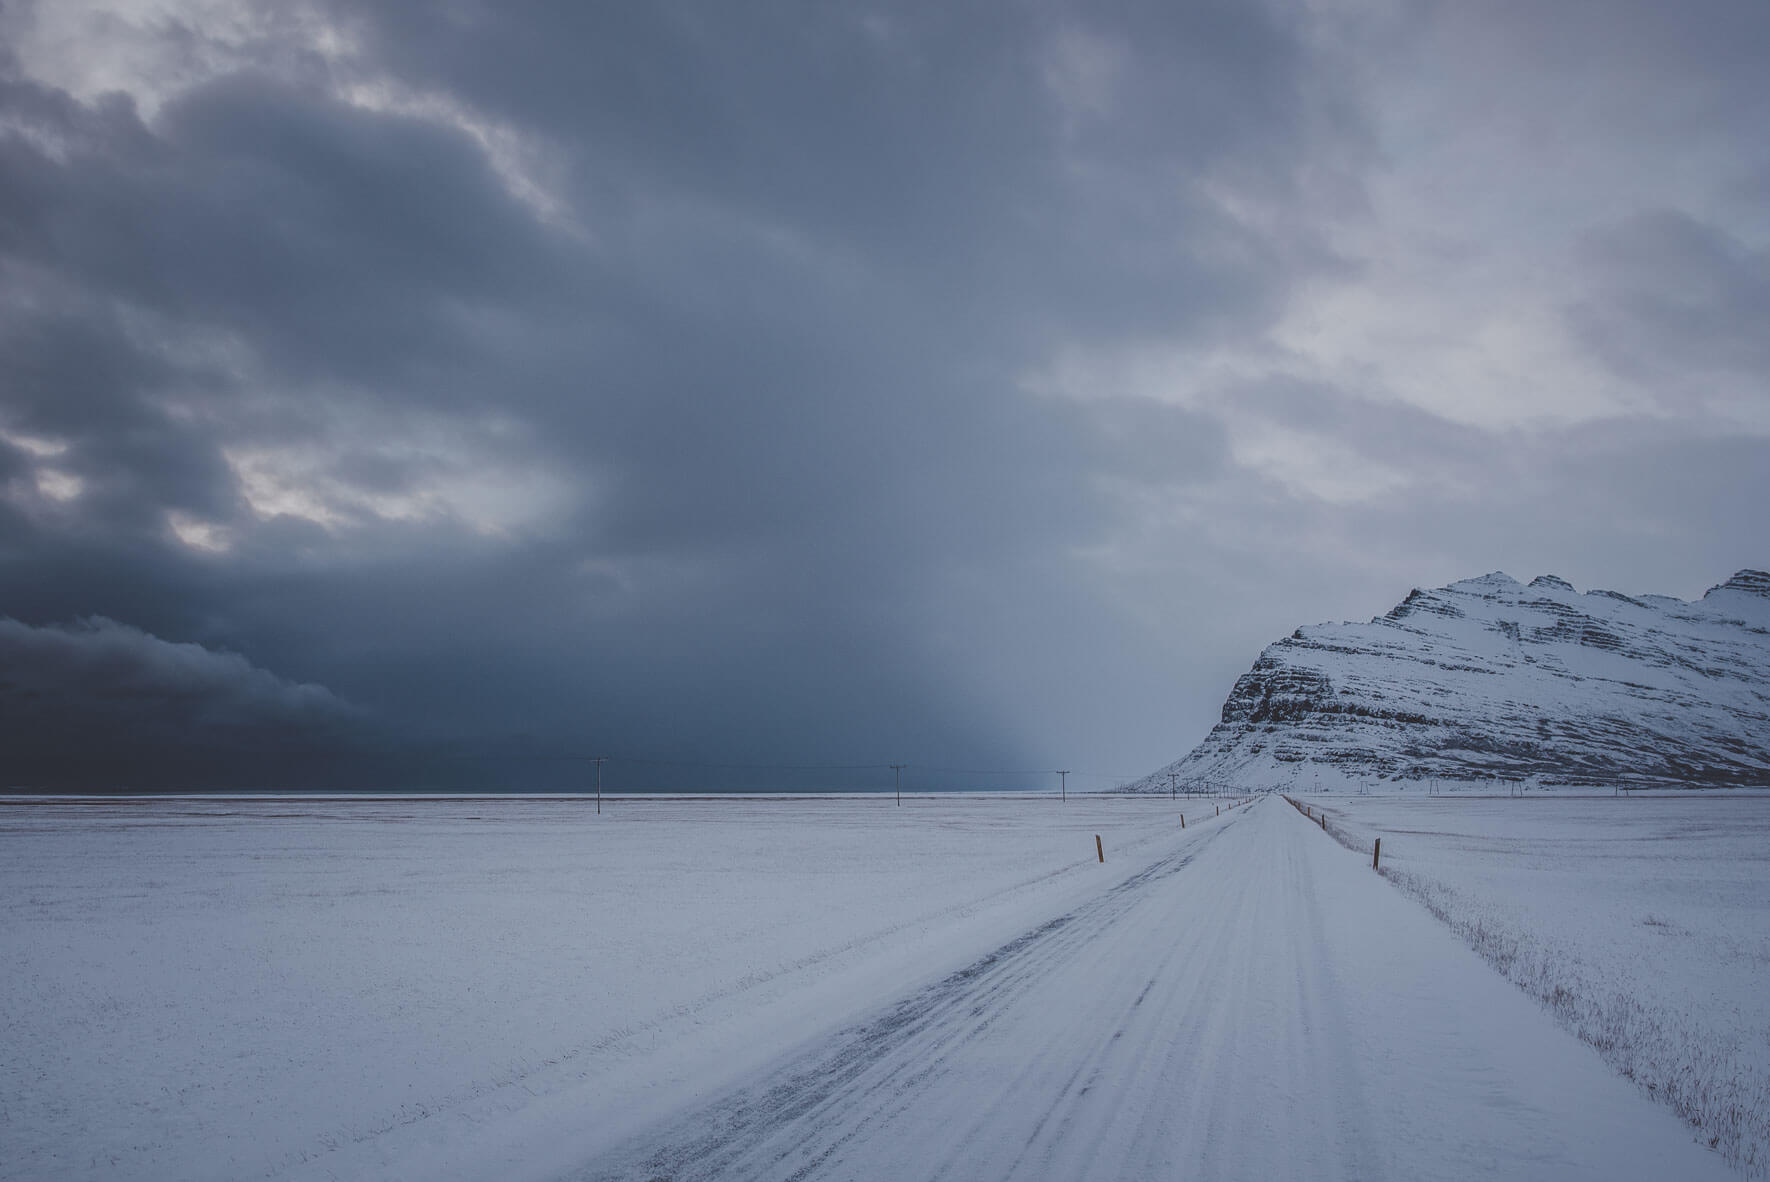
column 1376, row 853
column 1099, row 849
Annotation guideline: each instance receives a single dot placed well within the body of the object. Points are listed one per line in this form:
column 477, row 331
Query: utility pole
column 897, row 772
column 1063, row 783
column 1173, row 792
column 599, row 760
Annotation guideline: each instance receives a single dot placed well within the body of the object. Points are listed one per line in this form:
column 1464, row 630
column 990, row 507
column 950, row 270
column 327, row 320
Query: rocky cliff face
column 1491, row 679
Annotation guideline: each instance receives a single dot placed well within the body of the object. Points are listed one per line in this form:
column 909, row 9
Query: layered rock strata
column 1493, row 680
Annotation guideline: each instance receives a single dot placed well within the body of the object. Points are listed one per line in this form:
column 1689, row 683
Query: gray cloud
column 966, row 385
column 1679, row 306
column 81, row 703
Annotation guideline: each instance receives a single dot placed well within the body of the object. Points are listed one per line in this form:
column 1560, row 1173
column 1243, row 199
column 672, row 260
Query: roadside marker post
column 1376, row 853
column 1099, row 850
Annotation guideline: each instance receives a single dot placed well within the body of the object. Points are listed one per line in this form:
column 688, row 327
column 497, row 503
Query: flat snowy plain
column 1642, row 922
column 762, row 988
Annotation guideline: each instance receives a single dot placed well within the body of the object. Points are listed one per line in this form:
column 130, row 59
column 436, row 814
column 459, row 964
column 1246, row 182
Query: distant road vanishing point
column 1247, row 1001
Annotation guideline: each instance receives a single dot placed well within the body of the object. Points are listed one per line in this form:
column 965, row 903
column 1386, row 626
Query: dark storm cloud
column 337, row 243
column 774, row 364
column 677, row 379
column 103, row 659
column 87, row 703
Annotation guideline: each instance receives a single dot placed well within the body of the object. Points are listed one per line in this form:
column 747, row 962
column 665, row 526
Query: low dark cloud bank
column 972, row 386
column 102, row 705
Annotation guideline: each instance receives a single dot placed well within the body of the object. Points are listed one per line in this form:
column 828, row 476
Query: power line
column 755, row 767
column 448, row 757
column 1034, row 771
column 573, row 758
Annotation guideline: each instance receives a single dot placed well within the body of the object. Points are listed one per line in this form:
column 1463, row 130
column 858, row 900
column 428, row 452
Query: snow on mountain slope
column 1492, row 679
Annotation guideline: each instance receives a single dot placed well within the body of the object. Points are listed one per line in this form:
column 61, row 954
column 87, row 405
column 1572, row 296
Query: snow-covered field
column 201, row 988
column 762, row 988
column 1642, row 923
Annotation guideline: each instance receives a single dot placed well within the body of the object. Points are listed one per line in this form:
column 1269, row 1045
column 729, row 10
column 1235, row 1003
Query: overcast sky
column 972, row 386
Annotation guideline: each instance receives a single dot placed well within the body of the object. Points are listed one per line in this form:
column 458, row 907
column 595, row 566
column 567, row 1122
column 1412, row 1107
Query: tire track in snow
column 837, row 1094
column 1254, row 1005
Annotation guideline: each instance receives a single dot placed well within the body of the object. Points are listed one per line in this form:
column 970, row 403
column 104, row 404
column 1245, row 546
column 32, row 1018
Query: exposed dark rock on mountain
column 1489, row 679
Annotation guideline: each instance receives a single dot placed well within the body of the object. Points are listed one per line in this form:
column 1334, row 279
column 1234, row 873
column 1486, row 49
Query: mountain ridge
column 1492, row 679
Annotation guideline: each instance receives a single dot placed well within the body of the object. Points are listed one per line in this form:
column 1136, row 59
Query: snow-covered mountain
column 1492, row 679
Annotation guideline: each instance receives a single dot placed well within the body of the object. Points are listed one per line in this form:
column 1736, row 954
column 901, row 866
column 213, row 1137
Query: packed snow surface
column 1493, row 679
column 1642, row 922
column 763, row 989
column 202, row 988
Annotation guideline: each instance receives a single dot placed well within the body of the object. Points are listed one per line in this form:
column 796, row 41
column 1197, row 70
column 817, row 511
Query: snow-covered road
column 1253, row 1003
